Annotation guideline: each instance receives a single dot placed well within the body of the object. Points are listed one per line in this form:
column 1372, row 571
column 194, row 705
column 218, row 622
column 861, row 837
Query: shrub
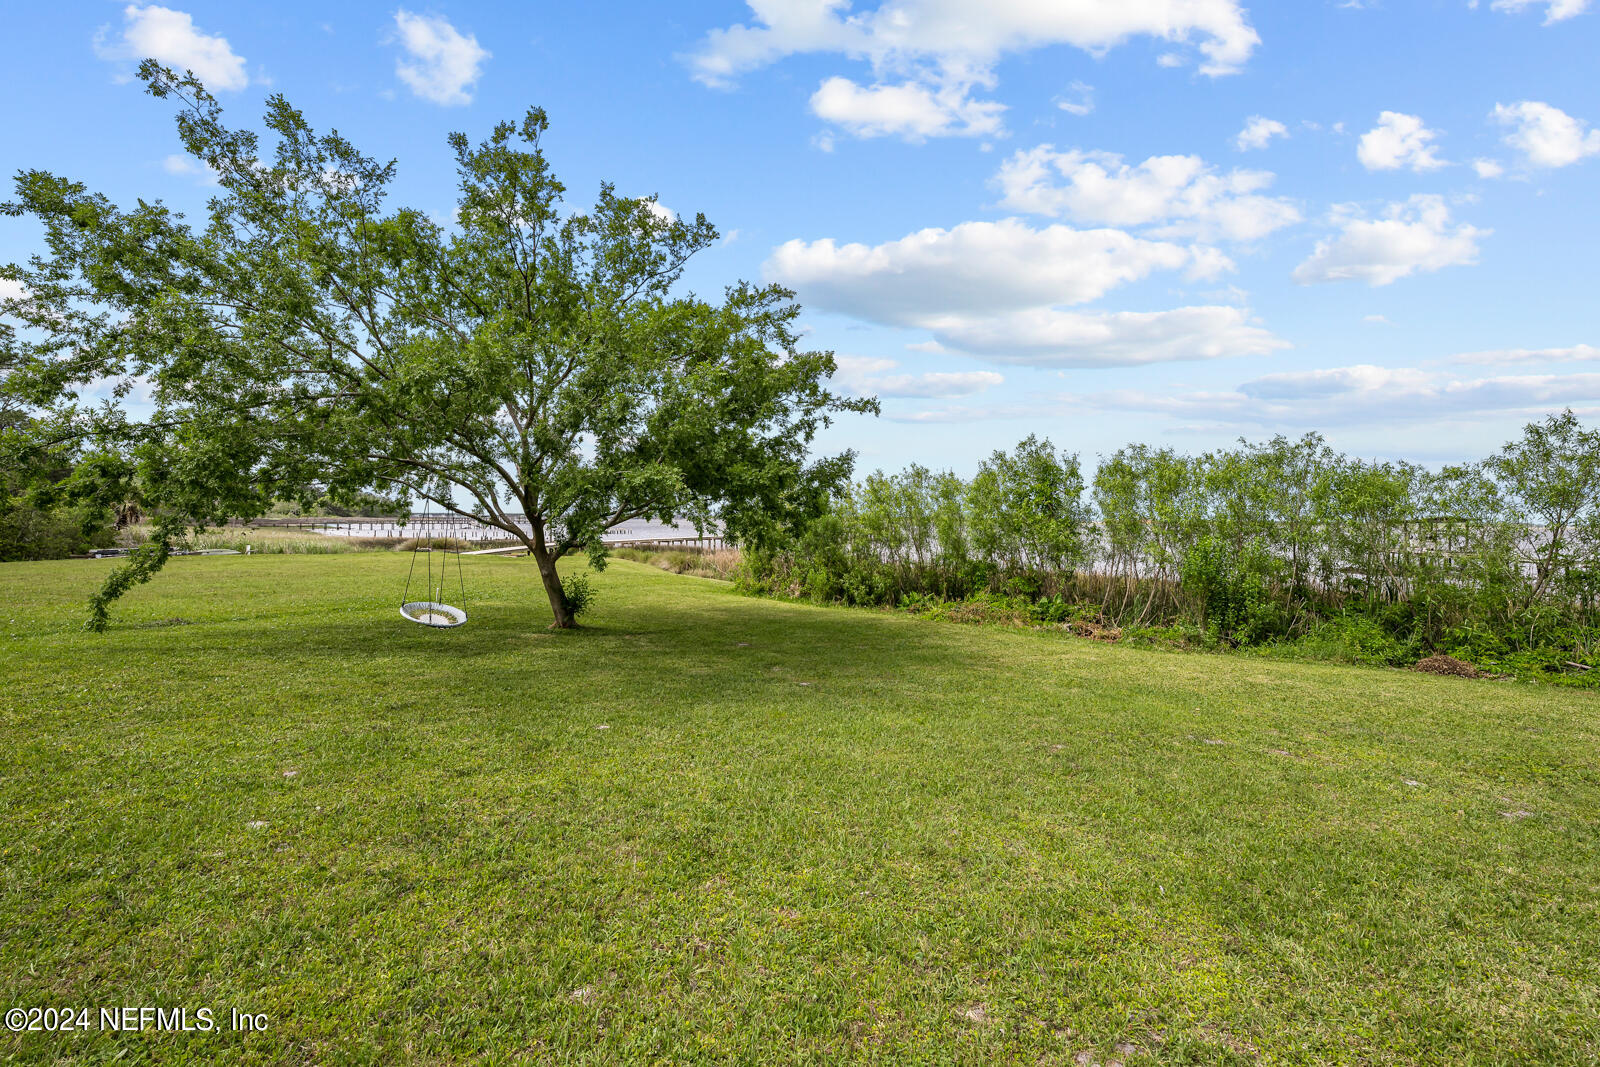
column 1353, row 639
column 31, row 533
column 577, row 594
column 1230, row 589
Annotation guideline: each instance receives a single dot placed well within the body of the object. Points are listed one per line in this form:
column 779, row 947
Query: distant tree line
column 1257, row 543
column 43, row 513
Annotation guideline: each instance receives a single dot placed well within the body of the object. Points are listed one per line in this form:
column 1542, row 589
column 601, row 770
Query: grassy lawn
column 711, row 828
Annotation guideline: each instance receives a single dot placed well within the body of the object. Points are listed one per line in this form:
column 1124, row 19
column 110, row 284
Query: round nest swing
column 435, row 612
column 431, row 613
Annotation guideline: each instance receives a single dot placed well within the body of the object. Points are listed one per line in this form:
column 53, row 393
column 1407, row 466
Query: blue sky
column 1103, row 221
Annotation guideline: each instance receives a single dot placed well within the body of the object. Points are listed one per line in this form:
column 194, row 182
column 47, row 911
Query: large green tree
column 536, row 370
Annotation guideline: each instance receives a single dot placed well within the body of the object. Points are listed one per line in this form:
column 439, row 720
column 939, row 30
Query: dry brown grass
column 1447, row 665
column 447, row 544
column 720, row 563
column 269, row 540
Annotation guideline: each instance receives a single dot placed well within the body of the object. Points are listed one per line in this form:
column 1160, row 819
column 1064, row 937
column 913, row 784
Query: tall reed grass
column 724, row 564
column 268, row 540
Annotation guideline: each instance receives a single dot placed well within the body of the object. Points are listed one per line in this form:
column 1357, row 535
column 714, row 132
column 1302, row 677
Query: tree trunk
column 552, row 580
column 552, row 588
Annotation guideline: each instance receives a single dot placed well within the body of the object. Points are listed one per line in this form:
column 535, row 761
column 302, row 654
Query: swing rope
column 433, row 611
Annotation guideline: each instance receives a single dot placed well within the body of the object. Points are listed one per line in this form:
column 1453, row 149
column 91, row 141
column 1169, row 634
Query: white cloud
column 952, row 35
column 1377, row 320
column 1398, row 141
column 927, row 56
column 1546, row 136
column 444, row 64
column 189, row 167
column 1554, row 10
column 1414, row 235
column 1360, row 394
column 1508, row 356
column 1047, row 337
column 912, row 110
column 1257, row 132
column 170, row 37
column 659, row 210
column 998, row 290
column 865, row 376
column 1080, row 102
column 976, row 267
column 1181, row 192
column 1487, row 168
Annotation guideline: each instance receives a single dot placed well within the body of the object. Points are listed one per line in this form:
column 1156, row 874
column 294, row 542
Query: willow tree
column 534, row 370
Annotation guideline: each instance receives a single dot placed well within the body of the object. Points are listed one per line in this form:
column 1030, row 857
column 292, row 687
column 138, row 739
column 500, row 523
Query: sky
column 1176, row 222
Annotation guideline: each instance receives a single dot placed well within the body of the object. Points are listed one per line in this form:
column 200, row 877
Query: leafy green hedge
column 1285, row 543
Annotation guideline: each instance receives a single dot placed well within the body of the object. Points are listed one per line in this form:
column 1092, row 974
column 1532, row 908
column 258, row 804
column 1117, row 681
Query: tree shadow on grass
column 652, row 629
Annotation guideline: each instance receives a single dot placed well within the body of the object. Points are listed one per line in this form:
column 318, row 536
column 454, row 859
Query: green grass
column 712, row 828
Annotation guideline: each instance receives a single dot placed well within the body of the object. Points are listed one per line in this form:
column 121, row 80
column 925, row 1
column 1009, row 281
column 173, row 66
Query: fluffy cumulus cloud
column 171, row 38
column 1258, row 132
column 977, row 267
column 658, row 209
column 955, row 33
column 1546, row 136
column 1002, row 291
column 1413, row 235
column 441, row 64
column 1360, row 394
column 928, row 56
column 914, row 111
column 1554, row 10
column 866, row 376
column 1178, row 195
column 1399, row 141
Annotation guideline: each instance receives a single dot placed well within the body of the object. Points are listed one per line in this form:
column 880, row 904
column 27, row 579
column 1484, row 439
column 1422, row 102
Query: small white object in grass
column 583, row 994
column 1208, row 741
column 290, row 774
column 1411, row 782
column 603, row 726
column 257, row 824
column 976, row 1014
column 1520, row 813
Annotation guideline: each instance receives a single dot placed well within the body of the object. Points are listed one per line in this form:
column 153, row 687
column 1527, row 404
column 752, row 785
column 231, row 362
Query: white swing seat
column 429, row 613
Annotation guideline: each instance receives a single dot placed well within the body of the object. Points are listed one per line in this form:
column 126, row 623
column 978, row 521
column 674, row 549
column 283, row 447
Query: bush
column 31, row 533
column 1230, row 588
column 1285, row 544
column 577, row 594
column 1352, row 639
